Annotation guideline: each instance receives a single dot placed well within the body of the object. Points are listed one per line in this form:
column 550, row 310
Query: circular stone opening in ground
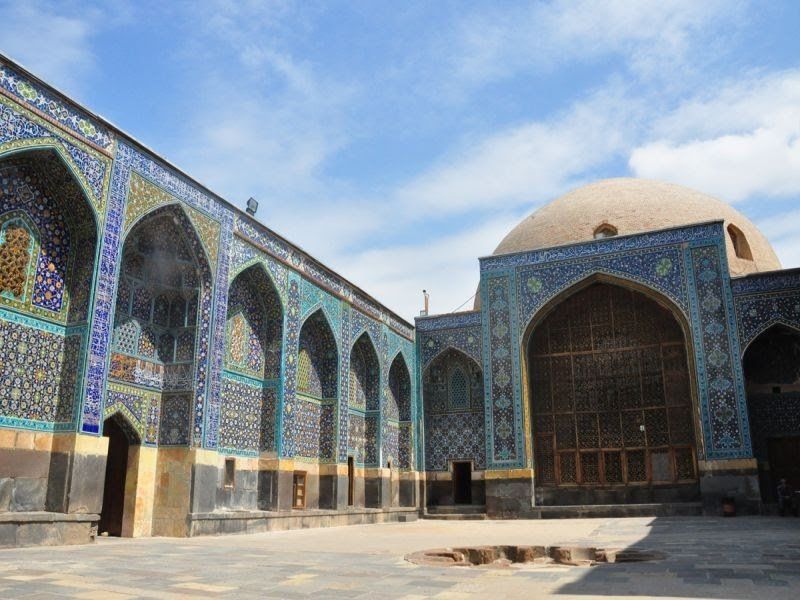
column 511, row 556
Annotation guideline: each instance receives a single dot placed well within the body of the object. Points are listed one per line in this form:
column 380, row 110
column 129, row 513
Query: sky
column 399, row 141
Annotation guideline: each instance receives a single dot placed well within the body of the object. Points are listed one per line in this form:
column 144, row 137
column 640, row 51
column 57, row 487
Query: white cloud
column 54, row 45
column 781, row 231
column 741, row 143
column 446, row 266
column 528, row 163
column 654, row 37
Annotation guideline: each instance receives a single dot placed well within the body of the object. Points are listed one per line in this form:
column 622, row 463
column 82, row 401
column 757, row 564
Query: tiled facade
column 128, row 290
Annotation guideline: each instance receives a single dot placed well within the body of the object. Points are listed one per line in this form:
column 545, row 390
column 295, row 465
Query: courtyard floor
column 743, row 557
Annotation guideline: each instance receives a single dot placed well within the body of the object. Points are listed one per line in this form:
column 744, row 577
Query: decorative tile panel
column 501, row 371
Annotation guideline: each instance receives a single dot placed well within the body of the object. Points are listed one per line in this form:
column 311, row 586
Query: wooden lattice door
column 610, row 392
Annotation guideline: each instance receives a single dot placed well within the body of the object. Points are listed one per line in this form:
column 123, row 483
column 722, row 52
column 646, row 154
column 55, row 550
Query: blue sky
column 399, row 141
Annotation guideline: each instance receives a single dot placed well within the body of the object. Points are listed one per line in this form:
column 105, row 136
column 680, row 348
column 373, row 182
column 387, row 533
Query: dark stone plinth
column 41, row 528
column 642, row 494
column 406, row 493
column 509, row 498
column 740, row 484
column 86, row 483
column 377, row 491
column 328, row 492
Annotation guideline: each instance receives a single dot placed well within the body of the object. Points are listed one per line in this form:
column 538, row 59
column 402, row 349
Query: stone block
column 8, row 438
column 406, row 492
column 327, row 492
column 29, row 494
column 207, row 493
column 284, row 490
column 24, row 463
column 341, row 492
column 267, row 490
column 57, row 482
column 86, row 484
column 373, row 492
column 6, row 493
column 25, row 440
column 38, row 534
column 509, row 498
column 8, row 535
column 74, row 533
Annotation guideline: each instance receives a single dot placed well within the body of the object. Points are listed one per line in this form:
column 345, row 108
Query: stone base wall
column 629, row 494
column 736, row 479
column 46, row 529
column 51, row 472
column 264, row 521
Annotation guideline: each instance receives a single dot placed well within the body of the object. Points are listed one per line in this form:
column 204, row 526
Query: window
column 459, row 390
column 304, row 371
column 230, row 472
column 740, row 245
column 299, row 489
column 605, row 231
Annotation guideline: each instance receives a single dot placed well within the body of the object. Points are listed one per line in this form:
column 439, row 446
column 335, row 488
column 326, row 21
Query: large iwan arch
column 611, row 398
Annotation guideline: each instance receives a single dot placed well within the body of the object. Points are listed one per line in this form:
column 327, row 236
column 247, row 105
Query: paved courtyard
column 755, row 557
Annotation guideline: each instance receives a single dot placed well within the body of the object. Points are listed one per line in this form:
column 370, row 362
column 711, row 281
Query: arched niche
column 162, row 301
column 317, row 388
column 771, row 367
column 454, row 417
column 363, row 400
column 398, row 414
column 251, row 383
column 399, row 390
column 48, row 247
column 610, row 388
column 364, row 392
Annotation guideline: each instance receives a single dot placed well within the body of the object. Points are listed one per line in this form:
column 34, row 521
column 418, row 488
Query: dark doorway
column 772, row 378
column 462, row 483
column 116, row 469
column 351, row 480
column 784, row 461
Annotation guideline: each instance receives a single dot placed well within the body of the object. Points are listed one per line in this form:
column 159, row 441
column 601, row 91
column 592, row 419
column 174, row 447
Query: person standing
column 784, row 497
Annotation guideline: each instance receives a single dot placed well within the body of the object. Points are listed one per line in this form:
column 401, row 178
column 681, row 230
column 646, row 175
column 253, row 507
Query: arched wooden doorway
column 611, row 401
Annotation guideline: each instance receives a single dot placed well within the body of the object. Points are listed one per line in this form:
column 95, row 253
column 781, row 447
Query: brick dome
column 624, row 206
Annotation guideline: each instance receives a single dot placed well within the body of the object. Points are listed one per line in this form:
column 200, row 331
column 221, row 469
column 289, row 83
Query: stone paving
column 755, row 557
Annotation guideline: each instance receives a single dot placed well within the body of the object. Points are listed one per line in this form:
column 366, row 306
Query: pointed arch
column 771, row 367
column 259, row 262
column 184, row 226
column 775, row 322
column 48, row 145
column 364, row 392
column 318, row 357
column 399, row 389
column 127, row 422
column 456, row 415
column 558, row 297
column 254, row 303
column 165, row 285
column 48, row 252
column 609, row 392
column 252, row 382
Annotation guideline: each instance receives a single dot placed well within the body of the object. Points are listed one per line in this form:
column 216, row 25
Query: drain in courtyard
column 506, row 556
